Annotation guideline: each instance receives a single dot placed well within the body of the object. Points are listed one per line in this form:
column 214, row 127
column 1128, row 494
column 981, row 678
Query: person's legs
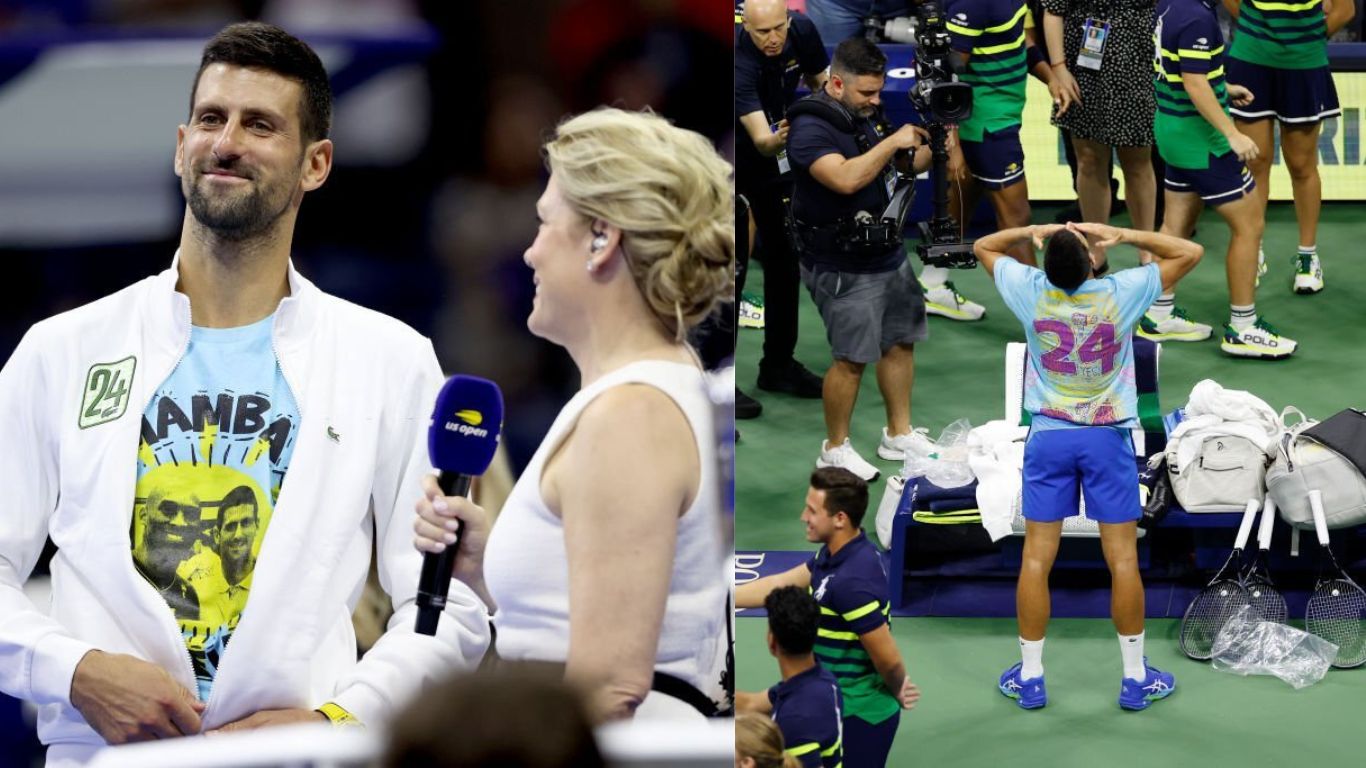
column 1033, row 606
column 838, row 393
column 1300, row 151
column 1182, row 211
column 1011, row 205
column 895, row 375
column 1245, row 224
column 851, row 306
column 1140, row 189
column 778, row 370
column 1119, row 543
column 867, row 745
column 1093, row 179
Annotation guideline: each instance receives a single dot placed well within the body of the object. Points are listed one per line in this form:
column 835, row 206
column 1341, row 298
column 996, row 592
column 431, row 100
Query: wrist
column 1058, row 64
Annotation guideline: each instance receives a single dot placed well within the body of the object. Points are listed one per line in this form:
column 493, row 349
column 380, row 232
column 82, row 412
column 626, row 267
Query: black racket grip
column 435, row 582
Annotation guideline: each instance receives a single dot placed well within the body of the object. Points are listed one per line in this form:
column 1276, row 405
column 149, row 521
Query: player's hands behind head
column 1101, row 236
column 1040, row 232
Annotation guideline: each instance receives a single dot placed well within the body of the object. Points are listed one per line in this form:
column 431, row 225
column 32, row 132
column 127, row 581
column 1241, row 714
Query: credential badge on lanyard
column 784, row 167
column 1094, row 33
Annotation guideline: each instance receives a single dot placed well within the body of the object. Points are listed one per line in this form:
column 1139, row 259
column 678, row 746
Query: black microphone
column 463, row 435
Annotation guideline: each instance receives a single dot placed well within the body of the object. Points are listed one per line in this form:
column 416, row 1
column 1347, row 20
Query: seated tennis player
column 1080, row 393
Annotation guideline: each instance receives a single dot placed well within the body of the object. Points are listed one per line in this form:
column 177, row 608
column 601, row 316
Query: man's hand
column 1242, row 146
column 126, row 699
column 779, row 138
column 908, row 695
column 1040, row 232
column 910, row 136
column 1239, row 95
column 1101, row 236
column 267, row 718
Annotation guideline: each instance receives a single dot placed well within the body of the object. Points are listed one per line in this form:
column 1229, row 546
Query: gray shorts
column 866, row 314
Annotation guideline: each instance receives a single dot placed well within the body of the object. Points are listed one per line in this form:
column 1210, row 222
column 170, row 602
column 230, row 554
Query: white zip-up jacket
column 364, row 384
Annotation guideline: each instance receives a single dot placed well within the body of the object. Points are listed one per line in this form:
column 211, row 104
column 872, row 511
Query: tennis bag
column 1327, row 457
column 1223, row 473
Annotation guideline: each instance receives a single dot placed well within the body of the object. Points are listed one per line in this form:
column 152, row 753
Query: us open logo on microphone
column 472, row 419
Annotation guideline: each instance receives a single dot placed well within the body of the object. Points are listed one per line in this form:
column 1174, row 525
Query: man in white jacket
column 215, row 450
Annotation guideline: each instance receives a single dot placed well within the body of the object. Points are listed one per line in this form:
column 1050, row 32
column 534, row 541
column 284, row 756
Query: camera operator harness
column 858, row 234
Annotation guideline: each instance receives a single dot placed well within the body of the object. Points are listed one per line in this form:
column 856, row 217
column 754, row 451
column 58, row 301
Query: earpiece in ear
column 599, row 242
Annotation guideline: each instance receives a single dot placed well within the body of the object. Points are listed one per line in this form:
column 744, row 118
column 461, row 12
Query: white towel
column 996, row 455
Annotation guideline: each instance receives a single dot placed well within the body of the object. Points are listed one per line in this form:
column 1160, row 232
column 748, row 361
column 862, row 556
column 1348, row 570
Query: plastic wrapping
column 947, row 465
column 1247, row 645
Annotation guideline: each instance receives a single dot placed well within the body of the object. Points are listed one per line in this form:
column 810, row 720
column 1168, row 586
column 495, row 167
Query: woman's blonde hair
column 669, row 193
column 758, row 737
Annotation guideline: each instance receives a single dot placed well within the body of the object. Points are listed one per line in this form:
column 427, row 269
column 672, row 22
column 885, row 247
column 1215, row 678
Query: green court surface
column 1214, row 718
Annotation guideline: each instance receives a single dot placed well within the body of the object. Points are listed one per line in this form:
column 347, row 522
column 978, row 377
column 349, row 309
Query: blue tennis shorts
column 1098, row 459
column 1301, row 96
column 997, row 161
column 1225, row 180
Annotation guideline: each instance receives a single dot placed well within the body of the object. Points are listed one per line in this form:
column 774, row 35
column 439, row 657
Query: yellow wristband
column 337, row 715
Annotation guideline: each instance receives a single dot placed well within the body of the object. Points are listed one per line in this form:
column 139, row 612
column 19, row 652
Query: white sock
column 1308, row 250
column 1131, row 650
column 934, row 277
column 1031, row 656
column 1242, row 317
column 1162, row 308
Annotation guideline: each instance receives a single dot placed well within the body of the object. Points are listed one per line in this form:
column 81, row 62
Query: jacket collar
column 167, row 321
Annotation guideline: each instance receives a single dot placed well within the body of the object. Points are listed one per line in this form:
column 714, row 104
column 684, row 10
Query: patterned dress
column 1117, row 102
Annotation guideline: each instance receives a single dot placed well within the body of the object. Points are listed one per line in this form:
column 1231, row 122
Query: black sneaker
column 747, row 407
column 792, row 378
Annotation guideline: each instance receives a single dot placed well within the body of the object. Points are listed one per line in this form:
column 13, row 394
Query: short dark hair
column 844, row 492
column 793, row 618
column 515, row 714
column 858, row 56
column 1066, row 260
column 241, row 496
column 256, row 45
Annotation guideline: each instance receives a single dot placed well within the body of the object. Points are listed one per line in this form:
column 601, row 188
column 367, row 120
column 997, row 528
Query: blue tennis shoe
column 1029, row 694
column 1135, row 695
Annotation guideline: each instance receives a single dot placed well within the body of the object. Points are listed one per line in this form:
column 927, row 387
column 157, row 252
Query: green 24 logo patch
column 107, row 389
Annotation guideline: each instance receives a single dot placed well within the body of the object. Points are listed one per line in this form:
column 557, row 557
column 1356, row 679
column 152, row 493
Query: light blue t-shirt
column 1081, row 357
column 216, row 442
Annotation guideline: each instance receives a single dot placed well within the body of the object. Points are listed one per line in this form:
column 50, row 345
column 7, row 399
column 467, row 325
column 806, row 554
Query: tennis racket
column 1337, row 610
column 1262, row 594
column 1219, row 600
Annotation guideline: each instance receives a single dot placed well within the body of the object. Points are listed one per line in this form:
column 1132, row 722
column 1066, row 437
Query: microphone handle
column 435, row 581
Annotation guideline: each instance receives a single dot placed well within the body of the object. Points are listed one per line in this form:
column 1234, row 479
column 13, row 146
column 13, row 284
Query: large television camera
column 941, row 100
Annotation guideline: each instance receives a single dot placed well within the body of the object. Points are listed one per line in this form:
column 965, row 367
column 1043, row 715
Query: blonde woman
column 759, row 744
column 607, row 557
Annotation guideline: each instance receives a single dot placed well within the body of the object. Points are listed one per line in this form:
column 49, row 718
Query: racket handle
column 1268, row 520
column 1320, row 524
column 1245, row 527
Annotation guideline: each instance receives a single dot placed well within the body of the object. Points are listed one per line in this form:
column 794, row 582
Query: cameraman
column 774, row 50
column 870, row 300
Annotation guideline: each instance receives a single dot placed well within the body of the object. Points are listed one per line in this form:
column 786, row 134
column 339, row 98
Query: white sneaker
column 945, row 300
column 751, row 312
column 1258, row 340
column 1177, row 327
column 844, row 455
column 894, row 448
column 1308, row 273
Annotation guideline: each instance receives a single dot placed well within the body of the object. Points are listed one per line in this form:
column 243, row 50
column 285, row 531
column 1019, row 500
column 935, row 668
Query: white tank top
column 525, row 566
